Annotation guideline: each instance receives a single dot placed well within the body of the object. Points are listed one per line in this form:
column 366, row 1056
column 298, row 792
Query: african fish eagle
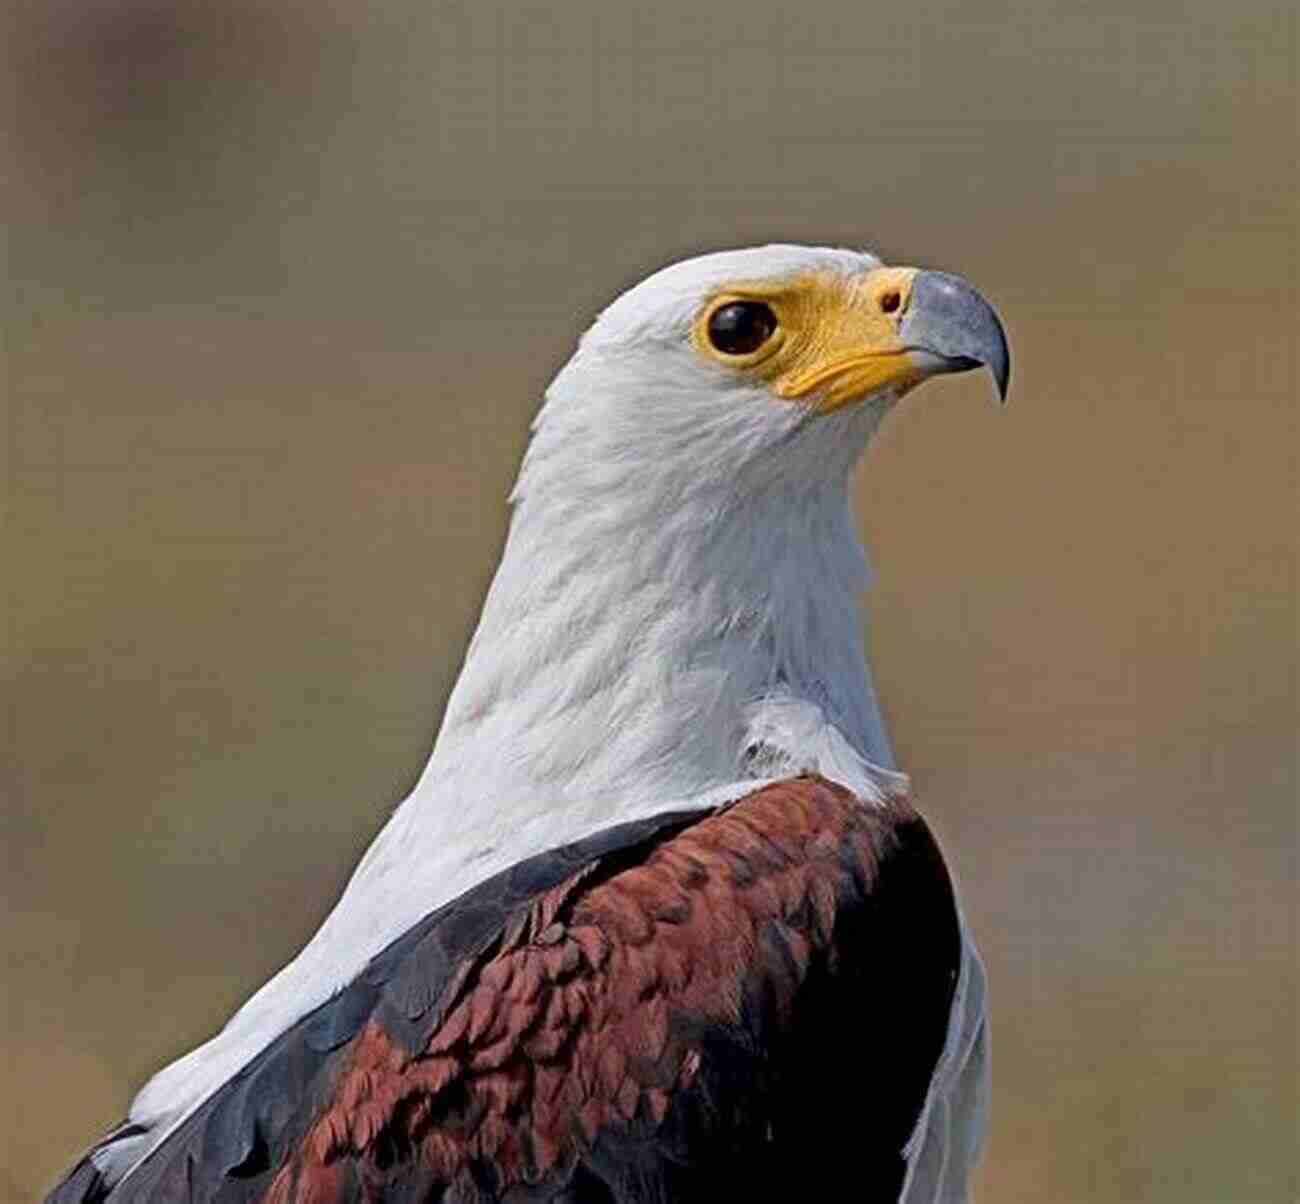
column 659, row 921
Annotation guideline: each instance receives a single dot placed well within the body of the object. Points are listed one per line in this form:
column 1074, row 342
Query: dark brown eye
column 890, row 301
column 740, row 327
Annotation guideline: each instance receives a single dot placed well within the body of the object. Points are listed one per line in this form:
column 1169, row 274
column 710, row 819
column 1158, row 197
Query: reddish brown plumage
column 594, row 1016
column 746, row 1003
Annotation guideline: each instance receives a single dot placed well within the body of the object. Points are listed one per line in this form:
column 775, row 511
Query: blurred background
column 287, row 282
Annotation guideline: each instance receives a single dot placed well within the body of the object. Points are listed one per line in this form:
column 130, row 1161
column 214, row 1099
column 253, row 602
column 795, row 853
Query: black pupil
column 741, row 327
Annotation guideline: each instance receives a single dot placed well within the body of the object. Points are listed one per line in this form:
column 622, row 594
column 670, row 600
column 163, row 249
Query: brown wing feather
column 639, row 1037
column 741, row 1003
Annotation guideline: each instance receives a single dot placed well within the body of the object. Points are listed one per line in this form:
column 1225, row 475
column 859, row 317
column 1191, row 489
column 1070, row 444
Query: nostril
column 890, row 301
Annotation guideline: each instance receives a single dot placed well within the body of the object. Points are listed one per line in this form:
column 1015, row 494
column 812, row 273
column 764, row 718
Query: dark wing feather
column 698, row 1006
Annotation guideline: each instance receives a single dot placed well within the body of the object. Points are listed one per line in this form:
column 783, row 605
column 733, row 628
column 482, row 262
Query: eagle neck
column 625, row 654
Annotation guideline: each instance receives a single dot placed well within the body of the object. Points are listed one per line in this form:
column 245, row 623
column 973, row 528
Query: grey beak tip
column 1002, row 378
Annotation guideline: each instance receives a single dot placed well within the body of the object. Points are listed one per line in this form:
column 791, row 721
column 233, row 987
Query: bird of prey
column 659, row 921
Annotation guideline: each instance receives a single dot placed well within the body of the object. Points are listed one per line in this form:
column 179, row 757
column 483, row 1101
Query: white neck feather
column 632, row 652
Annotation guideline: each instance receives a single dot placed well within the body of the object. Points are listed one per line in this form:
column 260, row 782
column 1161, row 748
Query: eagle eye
column 741, row 327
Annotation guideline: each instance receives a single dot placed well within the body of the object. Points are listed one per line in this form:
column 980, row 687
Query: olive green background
column 286, row 284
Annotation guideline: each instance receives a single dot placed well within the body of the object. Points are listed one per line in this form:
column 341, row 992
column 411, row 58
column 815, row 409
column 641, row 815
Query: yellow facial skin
column 836, row 338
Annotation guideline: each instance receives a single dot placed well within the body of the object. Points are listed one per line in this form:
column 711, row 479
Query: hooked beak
column 949, row 327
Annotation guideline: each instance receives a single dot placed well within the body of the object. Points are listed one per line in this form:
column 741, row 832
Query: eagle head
column 754, row 367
